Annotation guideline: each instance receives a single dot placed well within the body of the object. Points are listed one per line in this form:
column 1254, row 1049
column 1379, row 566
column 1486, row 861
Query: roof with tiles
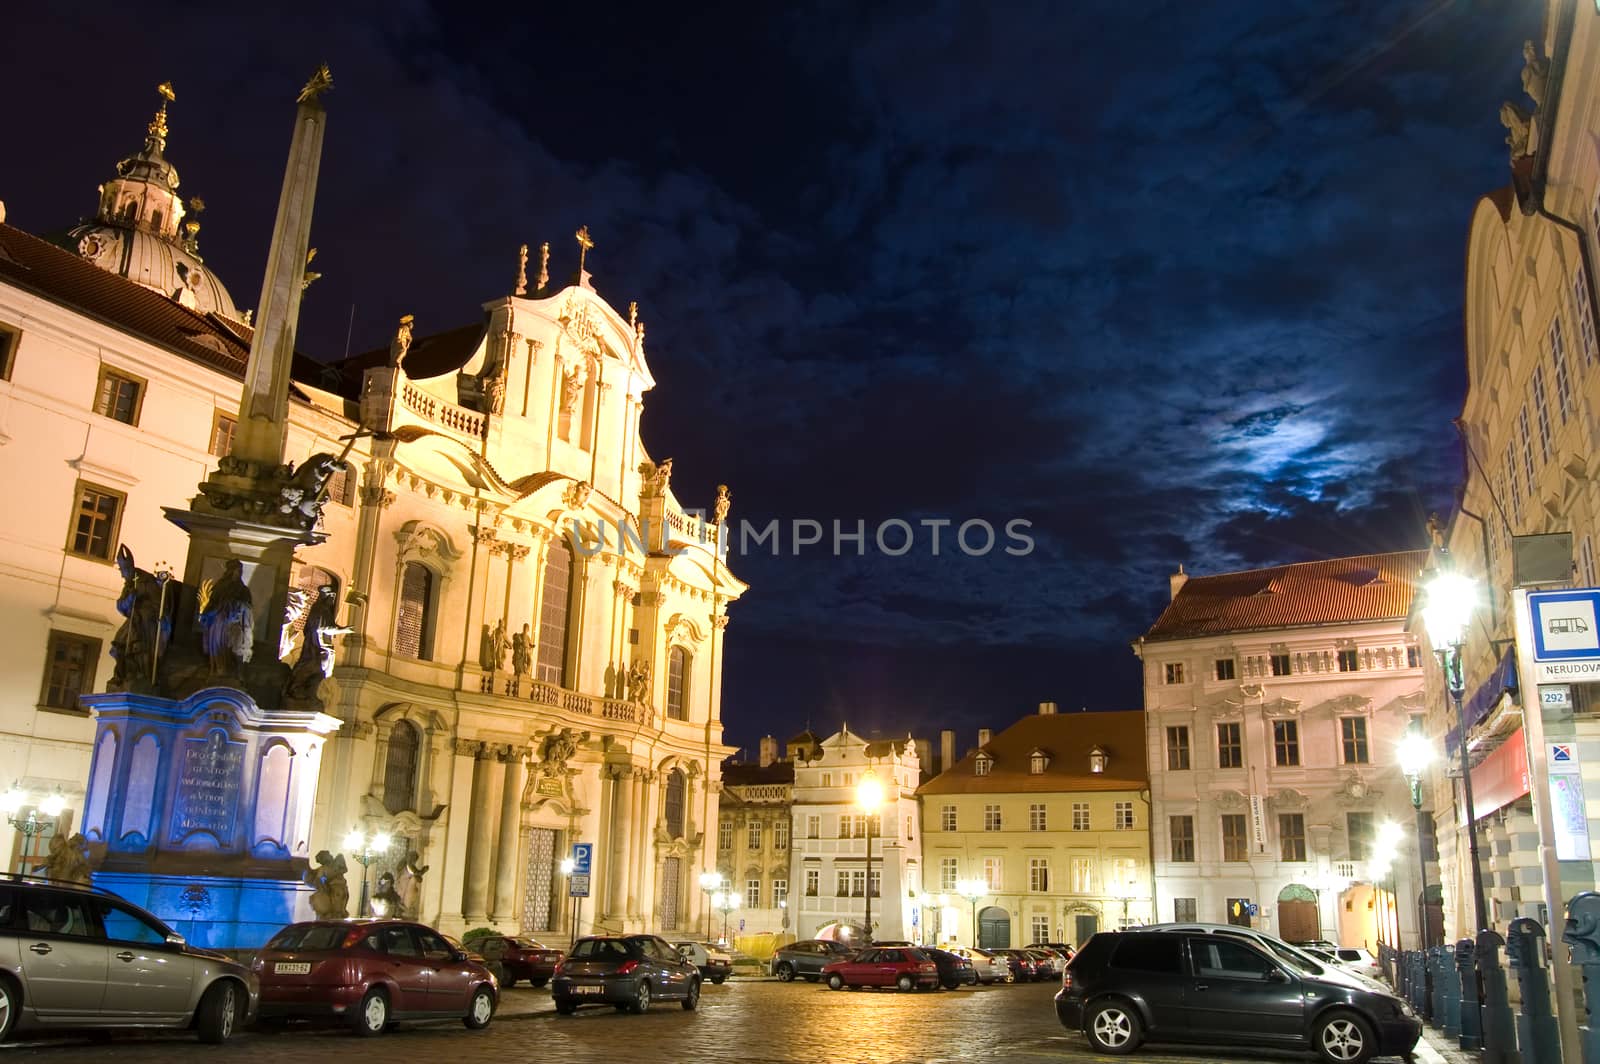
column 1367, row 587
column 1066, row 740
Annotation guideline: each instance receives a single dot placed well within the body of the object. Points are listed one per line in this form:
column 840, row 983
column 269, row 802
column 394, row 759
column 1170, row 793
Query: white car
column 989, row 968
column 1358, row 960
column 714, row 963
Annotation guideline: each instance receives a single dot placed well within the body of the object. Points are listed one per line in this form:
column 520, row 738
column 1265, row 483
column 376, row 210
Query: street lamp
column 568, row 866
column 1449, row 599
column 31, row 824
column 972, row 890
column 366, row 848
column 869, row 796
column 1415, row 755
column 725, row 901
column 710, row 883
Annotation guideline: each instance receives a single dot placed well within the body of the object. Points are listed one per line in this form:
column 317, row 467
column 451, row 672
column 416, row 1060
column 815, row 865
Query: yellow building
column 1041, row 833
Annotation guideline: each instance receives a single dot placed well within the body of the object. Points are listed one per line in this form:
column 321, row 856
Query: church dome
column 140, row 231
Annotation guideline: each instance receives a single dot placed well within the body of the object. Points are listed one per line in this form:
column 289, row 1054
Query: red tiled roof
column 1067, row 739
column 1368, row 587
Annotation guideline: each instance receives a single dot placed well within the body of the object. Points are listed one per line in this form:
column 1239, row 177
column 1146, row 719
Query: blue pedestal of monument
column 199, row 810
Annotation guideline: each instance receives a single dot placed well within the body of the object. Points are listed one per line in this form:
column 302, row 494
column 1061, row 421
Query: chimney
column 1047, row 709
column 769, row 750
column 1177, row 580
column 924, row 757
column 983, row 736
column 947, row 750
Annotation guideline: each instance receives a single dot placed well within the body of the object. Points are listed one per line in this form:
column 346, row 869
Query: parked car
column 954, row 970
column 371, row 974
column 715, row 963
column 1024, row 968
column 1062, row 948
column 901, row 967
column 1358, row 960
column 1125, row 988
column 988, row 967
column 805, row 959
column 628, row 972
column 1314, row 943
column 518, row 958
column 75, row 956
column 1051, row 963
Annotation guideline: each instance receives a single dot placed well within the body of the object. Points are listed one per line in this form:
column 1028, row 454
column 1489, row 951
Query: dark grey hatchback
column 628, row 972
column 1123, row 989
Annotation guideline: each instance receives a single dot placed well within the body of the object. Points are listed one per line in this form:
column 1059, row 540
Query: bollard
column 1423, row 985
column 1582, row 933
column 1471, row 1010
column 1448, row 980
column 1397, row 972
column 1499, row 1025
column 1537, row 1032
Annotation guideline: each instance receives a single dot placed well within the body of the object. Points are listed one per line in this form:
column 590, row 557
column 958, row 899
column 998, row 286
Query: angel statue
column 639, row 681
column 330, row 894
column 409, row 884
column 68, row 859
column 227, row 620
column 315, row 663
column 294, row 607
column 139, row 643
column 301, row 498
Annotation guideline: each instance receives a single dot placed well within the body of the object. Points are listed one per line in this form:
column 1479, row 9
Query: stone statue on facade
column 720, row 507
column 639, row 682
column 521, row 653
column 68, row 859
column 657, row 478
column 386, row 901
column 571, row 388
column 408, row 885
column 559, row 747
column 486, row 650
column 315, row 662
column 330, row 894
column 1518, row 123
column 146, row 627
column 227, row 620
column 577, row 495
column 498, row 644
column 1535, row 73
column 1435, row 532
column 400, row 346
column 301, row 499
column 295, row 601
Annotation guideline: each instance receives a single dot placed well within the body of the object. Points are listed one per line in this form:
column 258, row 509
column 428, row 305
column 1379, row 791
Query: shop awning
column 1481, row 702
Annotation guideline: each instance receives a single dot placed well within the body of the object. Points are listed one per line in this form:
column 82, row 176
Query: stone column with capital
column 643, row 845
column 508, row 860
column 463, row 754
column 480, row 835
column 374, row 498
column 623, row 786
column 483, row 599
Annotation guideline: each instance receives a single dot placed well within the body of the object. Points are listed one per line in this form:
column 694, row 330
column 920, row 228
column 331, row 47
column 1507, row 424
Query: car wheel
column 508, row 982
column 785, row 972
column 537, row 982
column 565, row 1007
column 691, row 1000
column 1343, row 1038
column 905, row 982
column 1113, row 1027
column 10, row 1001
column 835, row 981
column 718, row 980
column 949, row 984
column 481, row 1010
column 372, row 1015
column 641, row 998
column 218, row 1012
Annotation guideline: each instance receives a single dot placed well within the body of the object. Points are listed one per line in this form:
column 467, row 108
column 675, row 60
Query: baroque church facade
column 535, row 622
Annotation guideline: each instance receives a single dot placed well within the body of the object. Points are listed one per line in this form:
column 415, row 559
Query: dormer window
column 1038, row 761
column 1097, row 760
column 981, row 764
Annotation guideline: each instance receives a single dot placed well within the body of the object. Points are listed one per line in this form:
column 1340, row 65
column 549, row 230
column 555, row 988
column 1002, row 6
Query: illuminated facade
column 509, row 688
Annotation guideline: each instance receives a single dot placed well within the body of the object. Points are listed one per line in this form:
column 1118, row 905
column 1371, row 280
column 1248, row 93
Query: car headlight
column 1403, row 1007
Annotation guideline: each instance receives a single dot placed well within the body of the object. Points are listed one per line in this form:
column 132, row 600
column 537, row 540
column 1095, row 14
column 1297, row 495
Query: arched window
column 555, row 614
column 677, row 797
column 400, row 772
column 413, row 627
column 677, row 682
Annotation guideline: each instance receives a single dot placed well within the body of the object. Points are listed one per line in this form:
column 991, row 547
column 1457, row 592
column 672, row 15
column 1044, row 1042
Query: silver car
column 73, row 956
column 989, row 968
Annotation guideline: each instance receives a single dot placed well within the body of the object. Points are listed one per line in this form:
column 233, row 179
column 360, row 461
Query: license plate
column 294, row 968
column 588, row 990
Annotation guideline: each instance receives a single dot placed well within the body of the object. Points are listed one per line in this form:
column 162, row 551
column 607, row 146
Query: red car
column 371, row 973
column 902, row 967
column 521, row 958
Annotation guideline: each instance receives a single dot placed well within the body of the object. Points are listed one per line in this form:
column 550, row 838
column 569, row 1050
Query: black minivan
column 1172, row 986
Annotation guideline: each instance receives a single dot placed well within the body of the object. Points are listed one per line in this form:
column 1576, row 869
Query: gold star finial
column 158, row 124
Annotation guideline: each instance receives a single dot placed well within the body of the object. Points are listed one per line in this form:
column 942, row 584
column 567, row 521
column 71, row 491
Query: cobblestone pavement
column 754, row 1020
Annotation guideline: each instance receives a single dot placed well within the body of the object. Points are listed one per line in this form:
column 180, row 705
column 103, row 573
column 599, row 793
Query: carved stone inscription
column 208, row 788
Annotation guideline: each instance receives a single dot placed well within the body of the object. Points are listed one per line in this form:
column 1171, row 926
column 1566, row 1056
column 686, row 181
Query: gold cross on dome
column 585, row 243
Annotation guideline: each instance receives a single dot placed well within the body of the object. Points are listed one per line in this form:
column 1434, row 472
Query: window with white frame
column 1080, row 816
column 780, row 892
column 947, row 818
column 1124, row 820
column 1124, row 873
column 780, row 835
column 908, row 829
column 991, row 873
column 981, row 765
column 813, row 826
column 1586, row 556
column 858, row 883
column 813, row 878
column 725, row 835
column 991, row 818
column 875, row 881
column 843, row 883
column 1558, row 367
column 1515, row 485
column 1082, row 875
column 1583, row 314
column 1178, row 747
column 1353, row 739
column 1036, row 763
column 1040, row 928
column 948, row 873
column 1039, row 875
column 1541, row 411
column 753, row 835
column 1036, row 817
column 752, row 894
column 1174, row 672
column 1525, row 432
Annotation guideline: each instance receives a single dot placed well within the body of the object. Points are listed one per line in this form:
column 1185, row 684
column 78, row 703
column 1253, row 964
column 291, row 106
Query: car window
column 397, row 942
column 601, row 949
column 433, row 944
column 123, row 925
column 489, row 948
column 891, row 956
column 1349, row 955
column 1149, row 953
column 1219, row 958
column 308, row 937
column 59, row 914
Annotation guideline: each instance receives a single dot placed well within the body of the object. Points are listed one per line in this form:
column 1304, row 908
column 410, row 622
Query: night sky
column 1175, row 282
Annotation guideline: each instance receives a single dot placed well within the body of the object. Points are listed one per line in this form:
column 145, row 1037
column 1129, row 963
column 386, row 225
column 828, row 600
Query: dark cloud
column 1175, row 282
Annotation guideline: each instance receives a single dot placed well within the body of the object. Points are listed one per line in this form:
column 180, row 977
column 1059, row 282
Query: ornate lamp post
column 31, row 824
column 869, row 796
column 1415, row 755
column 366, row 848
column 972, row 890
column 568, row 866
column 710, row 883
column 1446, row 612
column 725, row 901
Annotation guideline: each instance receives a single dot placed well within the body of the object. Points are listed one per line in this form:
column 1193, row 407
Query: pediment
column 1235, row 697
column 1348, row 703
column 1289, row 799
column 1281, row 707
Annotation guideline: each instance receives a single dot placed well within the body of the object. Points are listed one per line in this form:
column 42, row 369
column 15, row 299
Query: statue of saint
column 227, row 620
column 521, row 653
column 639, row 682
column 408, row 885
column 68, row 859
column 147, row 625
column 385, row 900
column 315, row 663
column 330, row 894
